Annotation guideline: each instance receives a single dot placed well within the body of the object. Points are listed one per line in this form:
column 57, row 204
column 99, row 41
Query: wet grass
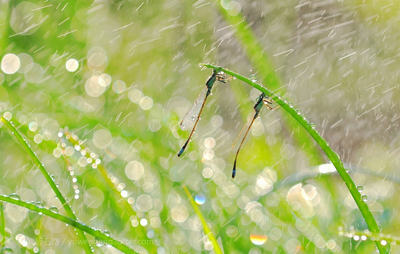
column 333, row 157
column 14, row 132
column 98, row 234
column 155, row 49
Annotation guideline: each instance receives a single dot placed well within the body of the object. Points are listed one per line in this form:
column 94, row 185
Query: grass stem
column 47, row 176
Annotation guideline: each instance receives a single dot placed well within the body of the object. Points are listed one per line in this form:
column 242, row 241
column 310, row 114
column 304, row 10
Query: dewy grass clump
column 120, row 75
column 333, row 157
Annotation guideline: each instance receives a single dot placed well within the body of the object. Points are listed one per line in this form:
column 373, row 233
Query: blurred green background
column 116, row 77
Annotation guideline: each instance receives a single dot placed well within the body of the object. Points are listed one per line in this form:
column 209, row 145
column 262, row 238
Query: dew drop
column 364, row 198
column 200, row 199
column 53, row 209
column 258, row 239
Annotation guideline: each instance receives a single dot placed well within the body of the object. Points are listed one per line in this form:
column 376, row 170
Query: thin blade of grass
column 94, row 232
column 49, row 179
column 2, row 226
column 333, row 157
column 203, row 221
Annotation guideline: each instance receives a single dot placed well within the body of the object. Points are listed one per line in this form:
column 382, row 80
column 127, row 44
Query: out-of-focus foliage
column 98, row 88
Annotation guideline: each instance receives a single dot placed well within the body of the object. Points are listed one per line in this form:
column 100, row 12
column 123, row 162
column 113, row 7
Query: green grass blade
column 203, row 221
column 2, row 226
column 333, row 157
column 47, row 176
column 94, row 232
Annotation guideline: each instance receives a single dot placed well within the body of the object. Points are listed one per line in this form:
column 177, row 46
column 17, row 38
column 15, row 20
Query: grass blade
column 47, row 176
column 333, row 157
column 94, row 232
column 2, row 226
column 207, row 230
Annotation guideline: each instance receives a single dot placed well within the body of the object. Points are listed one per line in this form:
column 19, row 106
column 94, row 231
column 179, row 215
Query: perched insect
column 261, row 100
column 192, row 117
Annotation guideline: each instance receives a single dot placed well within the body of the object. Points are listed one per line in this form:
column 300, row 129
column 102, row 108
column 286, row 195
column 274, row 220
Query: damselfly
column 261, row 100
column 192, row 117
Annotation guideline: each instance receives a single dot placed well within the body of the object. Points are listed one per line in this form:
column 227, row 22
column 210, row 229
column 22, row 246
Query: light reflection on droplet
column 119, row 86
column 326, row 168
column 258, row 239
column 217, row 121
column 146, row 103
column 231, row 231
column 331, row 244
column 179, row 213
column 21, row 240
column 124, row 194
column 105, row 79
column 135, row 95
column 144, row 203
column 72, row 65
column 57, row 152
column 143, row 222
column 209, row 142
column 102, row 138
column 95, row 86
column 97, row 58
column 10, row 63
column 7, row 115
column 200, row 199
column 208, row 154
column 134, row 222
column 275, row 234
column 207, row 172
column 134, row 170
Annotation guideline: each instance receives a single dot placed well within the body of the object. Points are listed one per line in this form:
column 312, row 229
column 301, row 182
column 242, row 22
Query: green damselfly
column 192, row 117
column 261, row 100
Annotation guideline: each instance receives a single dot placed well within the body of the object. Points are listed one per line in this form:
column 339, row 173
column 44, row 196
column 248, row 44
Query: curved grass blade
column 207, row 230
column 333, row 157
column 82, row 227
column 47, row 176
